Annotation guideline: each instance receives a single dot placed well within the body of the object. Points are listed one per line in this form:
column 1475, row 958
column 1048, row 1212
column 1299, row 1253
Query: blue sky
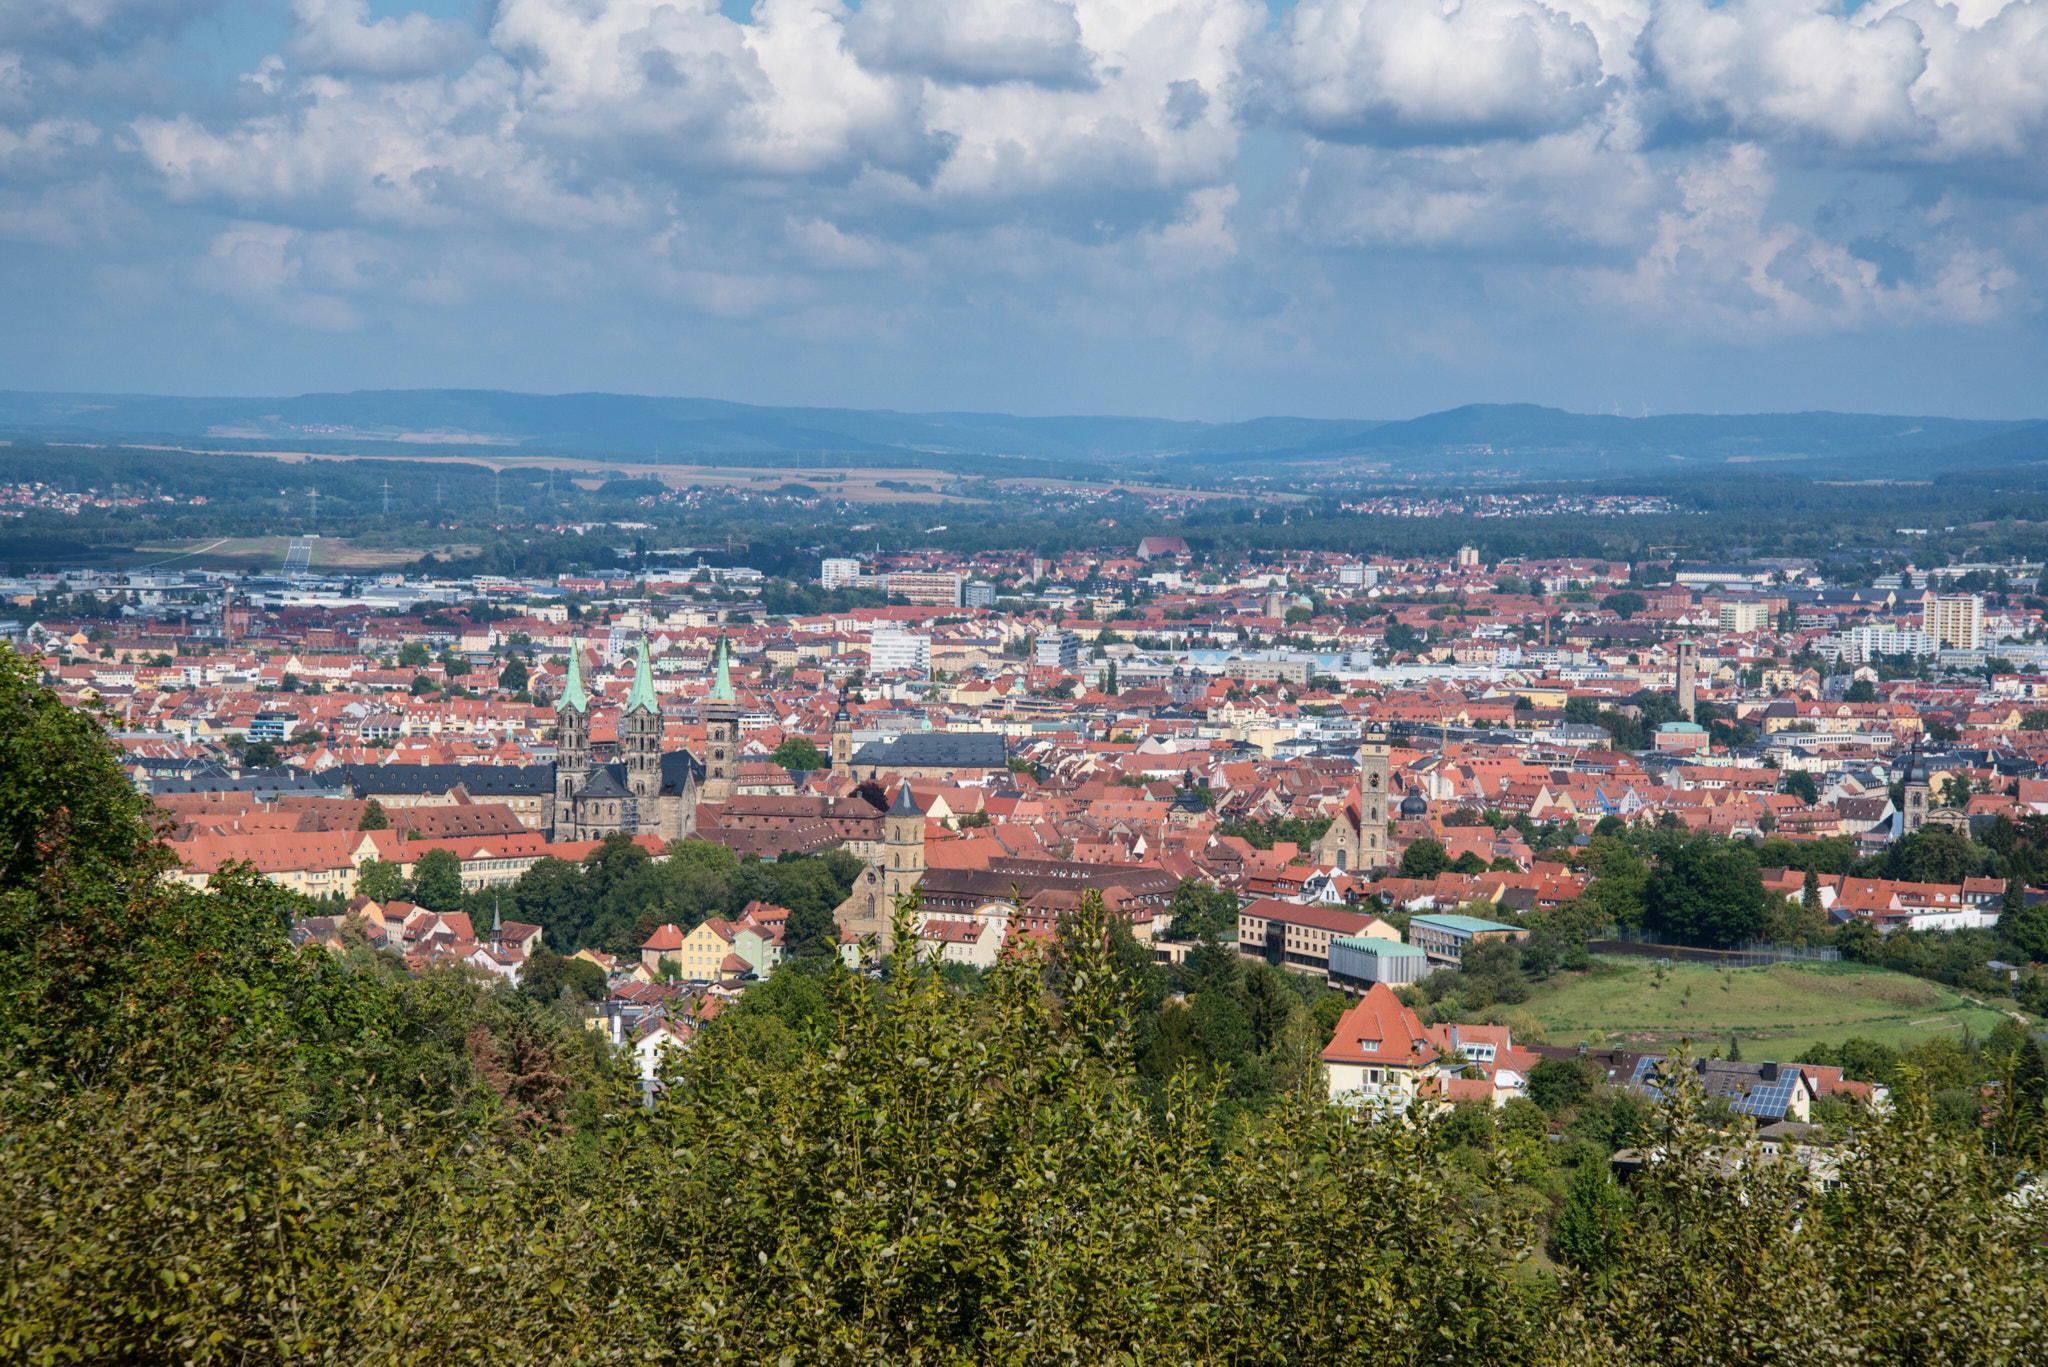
column 1195, row 208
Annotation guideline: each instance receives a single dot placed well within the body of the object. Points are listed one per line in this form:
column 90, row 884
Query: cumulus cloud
column 1408, row 69
column 974, row 42
column 334, row 36
column 1630, row 152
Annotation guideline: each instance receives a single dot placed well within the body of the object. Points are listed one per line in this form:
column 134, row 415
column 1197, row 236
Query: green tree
column 381, row 880
column 798, row 752
column 545, row 975
column 1800, row 784
column 1625, row 604
column 1555, row 1084
column 437, row 880
column 1424, row 858
column 1861, row 690
column 261, row 755
column 1592, row 1225
column 2034, row 719
column 373, row 818
column 810, row 932
column 1708, row 890
column 414, row 655
column 513, row 677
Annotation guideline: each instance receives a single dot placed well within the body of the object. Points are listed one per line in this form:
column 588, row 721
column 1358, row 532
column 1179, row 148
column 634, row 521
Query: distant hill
column 1523, row 440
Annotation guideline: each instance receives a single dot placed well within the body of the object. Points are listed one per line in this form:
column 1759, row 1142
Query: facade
column 1380, row 1056
column 929, row 589
column 646, row 791
column 929, row 754
column 1357, row 839
column 1744, row 618
column 1362, row 960
column 1298, row 936
column 838, row 573
column 1444, row 937
column 1266, row 671
column 1956, row 622
column 899, row 652
column 1688, row 678
column 1056, row 650
column 975, row 595
column 896, row 869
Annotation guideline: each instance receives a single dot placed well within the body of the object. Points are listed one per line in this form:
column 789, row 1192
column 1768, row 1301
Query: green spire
column 642, row 696
column 721, row 687
column 572, row 692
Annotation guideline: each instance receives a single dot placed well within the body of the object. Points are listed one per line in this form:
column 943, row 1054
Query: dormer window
column 1370, row 1046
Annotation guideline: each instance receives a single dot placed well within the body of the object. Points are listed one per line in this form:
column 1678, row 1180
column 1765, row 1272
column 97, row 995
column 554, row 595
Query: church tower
column 1373, row 761
column 842, row 735
column 1688, row 677
column 1919, row 793
column 721, row 732
column 642, row 739
column 572, row 735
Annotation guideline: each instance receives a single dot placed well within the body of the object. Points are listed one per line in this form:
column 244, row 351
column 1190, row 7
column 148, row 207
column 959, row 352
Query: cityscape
column 1029, row 682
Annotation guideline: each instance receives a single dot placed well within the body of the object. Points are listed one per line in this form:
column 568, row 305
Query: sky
column 1213, row 209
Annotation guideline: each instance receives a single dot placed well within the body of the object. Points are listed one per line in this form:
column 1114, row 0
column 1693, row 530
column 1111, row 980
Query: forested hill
column 1518, row 440
column 218, row 1148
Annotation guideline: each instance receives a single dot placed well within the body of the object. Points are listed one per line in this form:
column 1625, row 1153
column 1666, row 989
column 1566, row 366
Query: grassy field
column 1777, row 1012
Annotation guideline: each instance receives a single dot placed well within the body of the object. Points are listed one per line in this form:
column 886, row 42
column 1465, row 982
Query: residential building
column 1380, row 1055
column 928, row 588
column 1299, row 936
column 1056, row 650
column 1444, row 937
column 1956, row 621
column 899, row 652
column 838, row 573
column 1744, row 618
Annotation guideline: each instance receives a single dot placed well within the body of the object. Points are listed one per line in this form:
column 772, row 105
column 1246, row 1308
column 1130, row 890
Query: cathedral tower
column 842, row 735
column 572, row 731
column 721, row 732
column 642, row 739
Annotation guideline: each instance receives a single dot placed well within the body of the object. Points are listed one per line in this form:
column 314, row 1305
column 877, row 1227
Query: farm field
column 1776, row 1012
column 268, row 552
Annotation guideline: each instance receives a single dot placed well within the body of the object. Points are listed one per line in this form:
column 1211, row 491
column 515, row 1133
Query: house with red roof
column 1380, row 1055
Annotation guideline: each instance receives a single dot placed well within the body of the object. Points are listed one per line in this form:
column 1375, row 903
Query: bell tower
column 1373, row 759
column 721, row 732
column 842, row 735
column 572, row 732
column 642, row 739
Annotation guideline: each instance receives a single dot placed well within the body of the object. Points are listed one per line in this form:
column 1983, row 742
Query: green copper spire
column 572, row 692
column 642, row 696
column 721, row 687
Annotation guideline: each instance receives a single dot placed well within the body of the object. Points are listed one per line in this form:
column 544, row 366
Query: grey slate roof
column 936, row 749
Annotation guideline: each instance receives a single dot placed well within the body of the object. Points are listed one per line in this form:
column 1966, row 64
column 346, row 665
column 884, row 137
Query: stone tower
column 721, row 732
column 842, row 734
column 642, row 739
column 572, row 735
column 898, row 868
column 1373, row 761
column 1919, row 793
column 1688, row 677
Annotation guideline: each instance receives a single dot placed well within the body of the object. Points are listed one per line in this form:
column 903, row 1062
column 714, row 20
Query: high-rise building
column 1745, row 617
column 1956, row 621
column 898, row 652
column 1057, row 650
column 1468, row 557
column 925, row 587
column 838, row 573
column 978, row 596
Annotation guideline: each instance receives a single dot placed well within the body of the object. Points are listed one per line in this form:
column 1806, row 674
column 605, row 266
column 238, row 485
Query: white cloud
column 333, row 36
column 974, row 42
column 1420, row 69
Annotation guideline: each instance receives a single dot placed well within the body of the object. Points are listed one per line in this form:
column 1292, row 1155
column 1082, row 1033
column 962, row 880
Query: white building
column 1860, row 644
column 837, row 573
column 1056, row 650
column 899, row 652
column 1956, row 621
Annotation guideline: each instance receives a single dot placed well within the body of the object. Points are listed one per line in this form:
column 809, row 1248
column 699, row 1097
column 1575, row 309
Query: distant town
column 1373, row 763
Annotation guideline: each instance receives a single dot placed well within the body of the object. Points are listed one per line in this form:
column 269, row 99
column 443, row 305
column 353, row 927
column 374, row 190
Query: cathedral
column 896, row 868
column 1357, row 839
column 646, row 791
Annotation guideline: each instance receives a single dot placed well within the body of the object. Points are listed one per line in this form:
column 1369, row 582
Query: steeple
column 721, row 687
column 572, row 691
column 642, row 697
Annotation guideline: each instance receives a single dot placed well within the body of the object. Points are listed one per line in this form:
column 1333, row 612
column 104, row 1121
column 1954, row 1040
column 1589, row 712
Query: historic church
column 1357, row 839
column 646, row 791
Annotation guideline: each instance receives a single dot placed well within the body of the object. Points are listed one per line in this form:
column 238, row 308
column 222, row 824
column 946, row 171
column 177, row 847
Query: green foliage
column 1707, row 890
column 382, row 880
column 1202, row 911
column 1555, row 1084
column 1860, row 690
column 1592, row 1223
column 799, row 752
column 373, row 817
column 546, row 975
column 1263, row 835
column 414, row 655
column 1424, row 858
column 513, row 676
column 1800, row 784
column 1625, row 604
column 437, row 880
